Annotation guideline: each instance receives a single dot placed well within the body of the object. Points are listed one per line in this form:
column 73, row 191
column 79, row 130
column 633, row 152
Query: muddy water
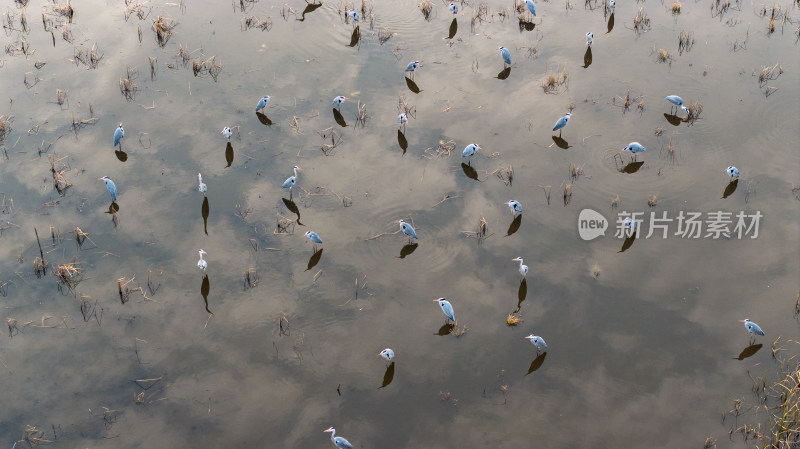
column 642, row 343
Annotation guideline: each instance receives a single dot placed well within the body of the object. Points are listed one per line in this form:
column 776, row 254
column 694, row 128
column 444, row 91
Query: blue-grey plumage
column 677, row 101
column 515, row 206
column 402, row 118
column 611, row 5
column 227, row 132
column 262, row 103
column 453, row 8
column 354, row 15
column 752, row 327
column 633, row 148
column 506, row 56
column 337, row 102
column 733, row 171
column 538, row 342
column 340, row 442
column 447, row 308
column 523, row 269
column 201, row 186
column 589, row 38
column 531, row 7
column 291, row 180
column 412, row 66
column 119, row 133
column 111, row 187
column 202, row 264
column 470, row 150
column 629, row 224
column 408, row 230
column 387, row 354
column 562, row 122
column 313, row 236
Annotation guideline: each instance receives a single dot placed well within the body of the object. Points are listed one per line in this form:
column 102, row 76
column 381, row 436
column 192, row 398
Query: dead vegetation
column 384, row 34
column 405, row 108
column 141, row 10
column 335, row 140
column 505, row 174
column 627, row 101
column 767, row 74
column 69, row 275
column 5, row 126
column 250, row 278
column 58, row 166
column 444, row 148
column 427, row 9
column 641, row 23
column 208, row 67
column 89, row 57
column 513, row 320
column 663, row 56
column 283, row 225
column 479, row 15
column 695, row 108
column 685, row 41
column 481, row 233
column 264, row 24
column 361, row 115
column 163, row 27
column 127, row 85
column 554, row 81
column 676, row 7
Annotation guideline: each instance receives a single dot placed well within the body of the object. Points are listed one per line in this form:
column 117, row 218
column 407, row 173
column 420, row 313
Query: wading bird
column 633, row 148
column 119, row 133
column 262, row 103
column 311, row 235
column 387, row 354
column 201, row 186
column 354, row 15
column 337, row 102
column 523, row 269
column 470, row 151
column 753, row 328
column 340, row 442
column 447, row 308
column 677, row 101
column 733, row 171
column 589, row 38
column 226, row 131
column 202, row 264
column 506, row 56
column 531, row 7
column 408, row 230
column 562, row 122
column 291, row 180
column 111, row 187
column 515, row 206
column 402, row 119
column 538, row 342
column 453, row 8
column 411, row 67
column 611, row 5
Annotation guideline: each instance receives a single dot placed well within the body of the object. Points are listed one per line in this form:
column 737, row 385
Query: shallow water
column 642, row 343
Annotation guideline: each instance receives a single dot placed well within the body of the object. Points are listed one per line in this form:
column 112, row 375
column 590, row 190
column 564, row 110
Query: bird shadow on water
column 113, row 208
column 314, row 259
column 631, row 167
column 610, row 23
column 121, row 155
column 205, row 287
column 355, row 37
column 453, row 29
column 561, row 143
column 406, row 250
column 730, row 188
column 388, row 376
column 401, row 140
column 292, row 206
column 514, row 226
column 446, row 329
column 749, row 351
column 263, row 119
column 412, row 86
column 470, row 172
column 536, row 363
column 205, row 210
column 522, row 293
column 337, row 115
column 526, row 26
column 628, row 243
column 673, row 120
column 504, row 74
column 229, row 154
column 587, row 57
column 310, row 7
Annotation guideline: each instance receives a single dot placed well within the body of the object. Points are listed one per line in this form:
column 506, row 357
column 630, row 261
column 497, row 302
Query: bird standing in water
column 202, row 264
column 733, row 171
column 523, row 269
column 201, row 186
column 408, row 230
column 633, row 148
column 538, row 342
column 411, row 67
column 562, row 122
column 291, row 180
column 589, row 39
column 506, row 56
column 531, row 7
column 111, row 187
column 447, row 308
column 337, row 102
column 470, row 151
column 262, row 103
column 119, row 133
column 453, row 8
column 226, row 131
column 515, row 206
column 753, row 328
column 311, row 235
column 340, row 442
column 387, row 354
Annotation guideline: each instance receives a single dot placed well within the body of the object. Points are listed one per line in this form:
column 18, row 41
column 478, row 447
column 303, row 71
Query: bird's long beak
column 435, row 300
column 741, row 321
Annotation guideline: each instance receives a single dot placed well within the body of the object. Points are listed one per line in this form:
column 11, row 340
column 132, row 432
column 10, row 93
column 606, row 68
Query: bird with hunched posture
column 633, row 148
column 226, row 131
column 589, row 38
column 387, row 354
column 470, row 150
column 262, row 103
column 337, row 102
column 531, row 7
column 506, row 56
column 612, row 5
column 291, row 180
column 447, row 308
column 523, row 269
column 733, row 171
column 311, row 235
column 354, row 15
column 752, row 327
column 407, row 230
column 340, row 442
column 202, row 264
column 515, row 206
column 414, row 65
column 119, row 133
column 677, row 101
column 538, row 342
column 453, row 8
column 402, row 119
column 201, row 186
column 562, row 122
column 110, row 186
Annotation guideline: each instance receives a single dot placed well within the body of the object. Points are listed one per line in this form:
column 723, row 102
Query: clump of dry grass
column 163, row 27
column 58, row 167
column 652, row 201
column 641, row 22
column 685, row 41
column 695, row 108
column 250, row 278
column 663, row 56
column 481, row 233
column 90, row 57
column 69, row 275
column 506, row 174
column 627, row 101
column 404, row 107
column 513, row 320
column 64, row 10
column 567, row 193
column 479, row 15
column 257, row 22
column 209, row 67
column 676, row 7
column 553, row 81
column 5, row 126
column 283, row 225
column 575, row 171
column 384, row 34
column 127, row 85
column 768, row 73
column 134, row 7
column 427, row 9
column 444, row 148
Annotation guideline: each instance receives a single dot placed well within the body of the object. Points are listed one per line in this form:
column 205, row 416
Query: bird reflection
column 446, row 329
column 292, row 208
column 504, row 73
column 355, row 37
column 673, row 120
column 401, row 140
column 521, row 293
column 470, row 171
column 406, row 250
column 263, row 119
column 536, row 363
column 514, row 226
column 628, row 242
column 205, row 211
column 730, row 188
column 631, row 167
column 526, row 26
column 749, row 351
column 311, row 7
column 113, row 208
column 229, row 154
column 314, row 259
column 337, row 115
column 587, row 57
column 561, row 143
column 205, row 287
column 453, row 29
column 388, row 376
column 412, row 86
column 610, row 23
column 121, row 155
